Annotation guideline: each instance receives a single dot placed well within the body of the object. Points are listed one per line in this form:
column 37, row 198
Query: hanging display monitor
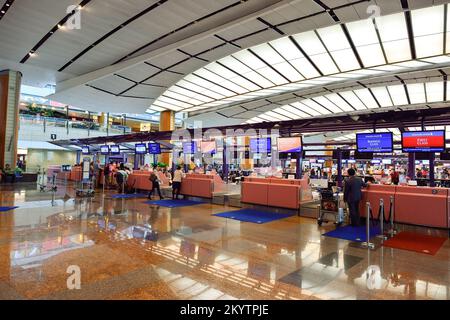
column 345, row 154
column 423, row 141
column 154, row 148
column 375, row 142
column 363, row 155
column 140, row 148
column 104, row 150
column 114, row 149
column 445, row 155
column 85, row 150
column 291, row 144
column 208, row 147
column 260, row 145
column 387, row 161
column 189, row 147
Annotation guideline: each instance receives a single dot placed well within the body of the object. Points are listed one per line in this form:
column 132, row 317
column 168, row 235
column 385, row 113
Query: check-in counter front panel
column 424, row 206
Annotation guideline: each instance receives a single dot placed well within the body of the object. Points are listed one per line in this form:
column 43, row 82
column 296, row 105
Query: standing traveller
column 352, row 195
column 176, row 183
column 155, row 185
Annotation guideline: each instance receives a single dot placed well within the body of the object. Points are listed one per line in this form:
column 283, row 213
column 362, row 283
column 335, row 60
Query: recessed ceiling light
column 3, row 11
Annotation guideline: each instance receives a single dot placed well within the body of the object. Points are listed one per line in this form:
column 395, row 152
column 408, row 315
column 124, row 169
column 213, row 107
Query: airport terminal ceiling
column 232, row 62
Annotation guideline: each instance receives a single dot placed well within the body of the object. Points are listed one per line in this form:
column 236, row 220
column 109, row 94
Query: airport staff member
column 352, row 195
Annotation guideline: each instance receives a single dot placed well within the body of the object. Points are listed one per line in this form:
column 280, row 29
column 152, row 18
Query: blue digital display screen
column 154, row 148
column 140, row 148
column 104, row 150
column 375, row 142
column 189, row 147
column 260, row 145
column 85, row 150
column 115, row 149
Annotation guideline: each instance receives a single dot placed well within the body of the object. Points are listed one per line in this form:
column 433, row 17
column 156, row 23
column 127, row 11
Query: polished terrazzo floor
column 130, row 250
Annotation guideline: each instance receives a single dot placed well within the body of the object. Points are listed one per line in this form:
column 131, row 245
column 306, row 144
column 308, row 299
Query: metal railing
column 50, row 122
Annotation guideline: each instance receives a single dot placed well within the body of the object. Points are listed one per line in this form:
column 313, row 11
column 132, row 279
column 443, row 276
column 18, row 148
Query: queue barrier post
column 381, row 218
column 367, row 244
column 392, row 231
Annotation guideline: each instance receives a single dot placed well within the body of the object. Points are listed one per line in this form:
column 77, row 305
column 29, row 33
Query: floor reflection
column 127, row 249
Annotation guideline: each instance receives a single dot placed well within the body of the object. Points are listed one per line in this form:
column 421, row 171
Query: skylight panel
column 268, row 54
column 243, row 82
column 156, row 108
column 178, row 96
column 334, row 38
column 438, row 59
column 218, row 69
column 234, row 64
column 249, row 59
column 205, row 73
column 310, row 43
column 268, row 118
column 165, row 105
column 277, row 115
column 435, row 91
column 195, row 87
column 341, row 103
column 306, row 108
column 366, row 42
column 286, row 48
column 398, row 95
column 288, row 113
column 315, row 106
column 353, row 100
column 258, row 79
column 174, row 102
column 288, row 71
column 327, row 104
column 190, row 94
column 305, row 68
column 382, row 95
column 416, row 93
column 428, row 27
column 269, row 73
column 324, row 63
column 367, row 98
column 394, row 36
column 295, row 112
column 346, row 60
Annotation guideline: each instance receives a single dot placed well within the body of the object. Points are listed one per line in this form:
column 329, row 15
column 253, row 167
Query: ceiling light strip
column 4, row 9
column 52, row 31
column 179, row 29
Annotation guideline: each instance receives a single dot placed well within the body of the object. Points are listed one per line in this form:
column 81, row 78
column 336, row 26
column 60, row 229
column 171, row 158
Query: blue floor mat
column 350, row 233
column 252, row 215
column 129, row 196
column 174, row 203
column 4, row 209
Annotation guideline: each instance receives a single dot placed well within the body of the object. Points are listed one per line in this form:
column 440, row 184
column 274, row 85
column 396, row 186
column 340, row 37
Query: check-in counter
column 424, row 206
column 373, row 193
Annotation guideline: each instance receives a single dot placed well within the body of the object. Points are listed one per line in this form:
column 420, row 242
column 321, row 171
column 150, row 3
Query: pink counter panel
column 373, row 194
column 424, row 206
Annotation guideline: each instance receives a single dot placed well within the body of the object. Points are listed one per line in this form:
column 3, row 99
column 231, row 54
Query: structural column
column 166, row 123
column 412, row 165
column 10, row 82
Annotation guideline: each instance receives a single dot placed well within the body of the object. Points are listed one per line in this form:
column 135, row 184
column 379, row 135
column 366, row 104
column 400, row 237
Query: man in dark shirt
column 352, row 195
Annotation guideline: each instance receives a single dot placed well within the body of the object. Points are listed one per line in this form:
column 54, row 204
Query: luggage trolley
column 44, row 186
column 86, row 180
column 330, row 205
